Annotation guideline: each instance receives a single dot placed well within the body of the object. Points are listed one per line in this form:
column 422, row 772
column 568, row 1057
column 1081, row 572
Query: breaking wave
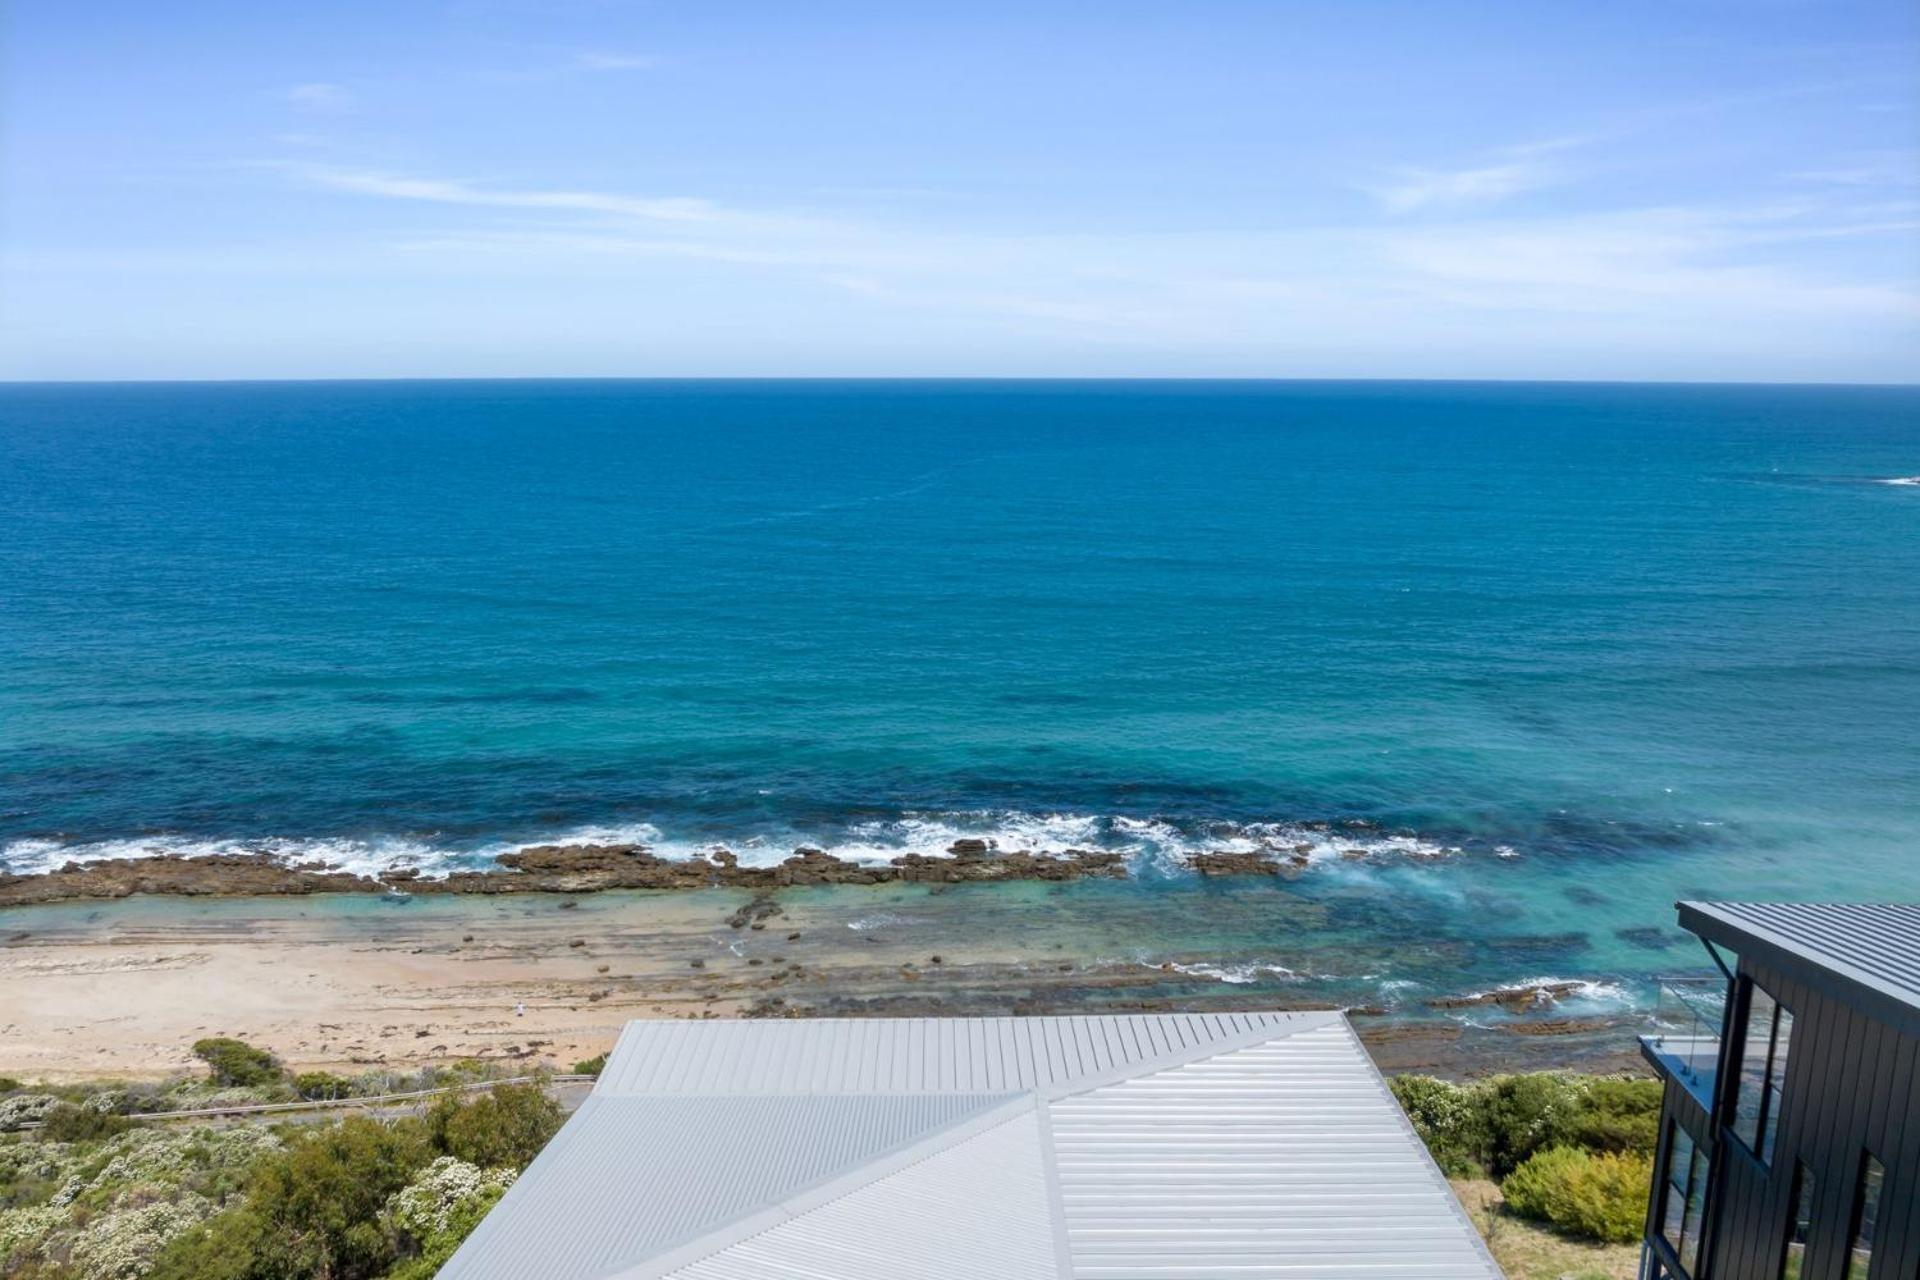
column 1152, row 845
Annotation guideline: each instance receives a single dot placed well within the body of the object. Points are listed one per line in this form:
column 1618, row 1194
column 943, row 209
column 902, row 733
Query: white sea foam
column 883, row 920
column 1237, row 974
column 1586, row 994
column 1911, row 482
column 1153, row 845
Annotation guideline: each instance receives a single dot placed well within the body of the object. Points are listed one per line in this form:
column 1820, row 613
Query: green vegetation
column 1573, row 1151
column 235, row 1062
column 363, row 1199
column 591, row 1067
column 1600, row 1197
column 504, row 1127
column 67, row 1123
column 91, row 1195
column 324, row 1085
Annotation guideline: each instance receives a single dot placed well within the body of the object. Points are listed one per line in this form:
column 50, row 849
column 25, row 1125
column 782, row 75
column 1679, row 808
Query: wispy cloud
column 437, row 191
column 1630, row 272
column 1427, row 188
column 1503, row 175
column 319, row 96
column 595, row 60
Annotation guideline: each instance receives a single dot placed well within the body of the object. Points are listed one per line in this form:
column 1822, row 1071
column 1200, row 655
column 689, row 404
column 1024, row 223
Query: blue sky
column 1696, row 189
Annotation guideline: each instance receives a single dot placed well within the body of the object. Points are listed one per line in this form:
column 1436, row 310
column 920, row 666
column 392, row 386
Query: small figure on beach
column 520, row 1010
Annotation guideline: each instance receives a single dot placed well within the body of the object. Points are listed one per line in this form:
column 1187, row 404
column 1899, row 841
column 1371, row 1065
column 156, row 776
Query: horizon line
column 948, row 378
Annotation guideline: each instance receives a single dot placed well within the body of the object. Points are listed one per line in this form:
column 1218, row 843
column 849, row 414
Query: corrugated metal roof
column 982, row 1199
column 1873, row 944
column 1143, row 1146
column 909, row 1055
column 630, row 1178
column 1277, row 1160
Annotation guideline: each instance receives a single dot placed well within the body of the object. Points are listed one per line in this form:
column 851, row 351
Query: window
column 1673, row 1208
column 1866, row 1208
column 1776, row 1083
column 1760, row 1079
column 1684, row 1197
column 1800, row 1228
column 1696, row 1212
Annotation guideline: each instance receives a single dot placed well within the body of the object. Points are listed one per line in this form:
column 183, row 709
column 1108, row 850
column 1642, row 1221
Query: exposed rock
column 1512, row 999
column 755, row 913
column 1557, row 1026
column 1070, row 864
column 1223, row 862
column 562, row 869
column 968, row 845
column 225, row 874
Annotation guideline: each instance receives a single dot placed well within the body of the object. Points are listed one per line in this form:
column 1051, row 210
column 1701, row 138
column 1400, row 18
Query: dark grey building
column 1790, row 1142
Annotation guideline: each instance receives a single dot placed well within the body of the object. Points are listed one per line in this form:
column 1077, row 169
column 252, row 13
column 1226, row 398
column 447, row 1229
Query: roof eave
column 1825, row 974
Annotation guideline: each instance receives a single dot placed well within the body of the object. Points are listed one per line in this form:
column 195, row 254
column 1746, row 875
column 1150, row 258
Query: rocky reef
column 573, row 868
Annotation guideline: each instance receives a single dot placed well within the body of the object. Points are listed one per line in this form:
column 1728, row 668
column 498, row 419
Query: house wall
column 1852, row 1083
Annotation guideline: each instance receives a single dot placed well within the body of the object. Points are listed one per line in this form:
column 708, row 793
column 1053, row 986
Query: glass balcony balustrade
column 1685, row 1043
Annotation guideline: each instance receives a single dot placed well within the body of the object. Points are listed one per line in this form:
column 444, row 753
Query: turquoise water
column 1571, row 651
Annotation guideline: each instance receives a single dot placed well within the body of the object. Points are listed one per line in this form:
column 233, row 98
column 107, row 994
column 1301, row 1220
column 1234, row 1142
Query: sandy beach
column 101, row 989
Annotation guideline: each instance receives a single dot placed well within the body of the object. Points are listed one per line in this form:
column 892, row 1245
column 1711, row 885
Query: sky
column 1637, row 189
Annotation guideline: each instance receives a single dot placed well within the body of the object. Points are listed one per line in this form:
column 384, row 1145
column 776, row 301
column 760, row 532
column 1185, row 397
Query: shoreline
column 358, row 982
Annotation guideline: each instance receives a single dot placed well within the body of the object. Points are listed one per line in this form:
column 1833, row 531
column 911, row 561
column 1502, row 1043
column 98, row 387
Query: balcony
column 1685, row 1046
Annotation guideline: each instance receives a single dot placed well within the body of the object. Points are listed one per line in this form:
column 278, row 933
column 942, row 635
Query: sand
column 122, row 989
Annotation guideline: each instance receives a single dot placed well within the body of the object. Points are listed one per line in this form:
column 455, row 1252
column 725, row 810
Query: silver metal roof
column 906, row 1055
column 1286, row 1158
column 1873, row 947
column 1097, row 1148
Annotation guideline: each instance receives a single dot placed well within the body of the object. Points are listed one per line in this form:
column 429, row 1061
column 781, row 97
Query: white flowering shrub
column 31, row 1161
column 426, row 1206
column 122, row 1246
column 106, row 1101
column 23, row 1229
column 22, row 1109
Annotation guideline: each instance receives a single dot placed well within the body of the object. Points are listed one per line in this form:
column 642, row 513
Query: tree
column 235, row 1062
column 506, row 1126
column 311, row 1212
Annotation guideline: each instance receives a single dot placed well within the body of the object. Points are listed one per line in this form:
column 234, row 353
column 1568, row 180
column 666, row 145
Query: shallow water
column 1576, row 650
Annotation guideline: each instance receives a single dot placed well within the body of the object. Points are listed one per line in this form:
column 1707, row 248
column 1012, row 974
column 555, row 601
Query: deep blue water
column 1642, row 640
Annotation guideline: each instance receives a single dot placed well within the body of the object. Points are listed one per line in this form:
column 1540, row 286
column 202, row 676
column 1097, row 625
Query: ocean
column 1518, row 664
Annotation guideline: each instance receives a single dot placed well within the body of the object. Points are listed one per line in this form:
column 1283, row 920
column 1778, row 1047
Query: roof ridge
column 1263, row 1033
column 833, row 1186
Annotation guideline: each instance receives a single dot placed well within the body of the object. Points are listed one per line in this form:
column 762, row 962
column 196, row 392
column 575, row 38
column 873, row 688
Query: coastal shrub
column 122, row 1246
column 505, row 1126
column 65, row 1122
column 1522, row 1114
column 426, row 1207
column 310, row 1212
column 436, row 1248
column 1599, row 1197
column 1447, row 1118
column 317, row 1085
column 30, row 1172
column 1495, row 1125
column 1619, row 1115
column 24, row 1109
column 9, row 1085
column 591, row 1067
column 21, row 1231
column 235, row 1062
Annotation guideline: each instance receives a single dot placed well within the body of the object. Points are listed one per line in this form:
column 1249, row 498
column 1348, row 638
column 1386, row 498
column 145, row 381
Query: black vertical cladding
column 1852, row 1086
column 1901, row 1230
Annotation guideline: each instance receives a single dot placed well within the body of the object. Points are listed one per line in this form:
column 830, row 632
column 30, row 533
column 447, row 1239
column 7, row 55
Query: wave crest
column 1152, row 845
